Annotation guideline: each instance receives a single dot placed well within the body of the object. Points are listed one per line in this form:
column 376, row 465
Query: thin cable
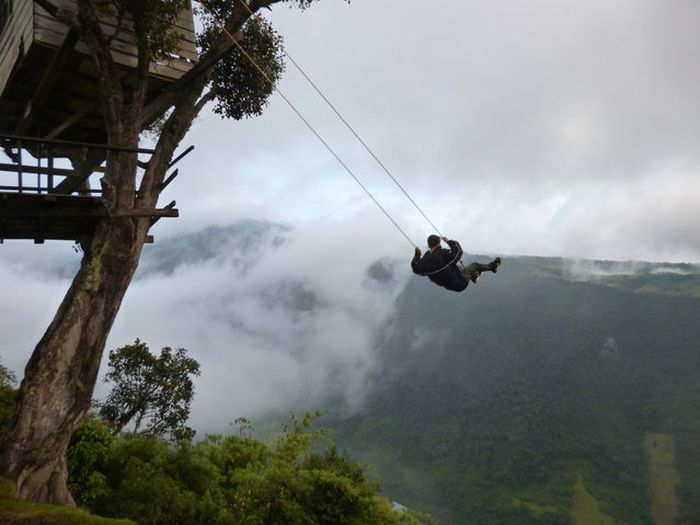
column 303, row 119
column 352, row 130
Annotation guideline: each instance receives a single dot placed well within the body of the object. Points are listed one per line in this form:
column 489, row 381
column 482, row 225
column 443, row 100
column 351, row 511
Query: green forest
column 160, row 476
column 541, row 395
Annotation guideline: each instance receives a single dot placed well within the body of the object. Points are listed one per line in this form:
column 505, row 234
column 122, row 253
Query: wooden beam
column 72, row 119
column 169, row 179
column 144, row 212
column 169, row 206
column 16, row 140
column 16, row 168
column 180, row 156
column 48, row 81
column 85, row 169
column 68, row 211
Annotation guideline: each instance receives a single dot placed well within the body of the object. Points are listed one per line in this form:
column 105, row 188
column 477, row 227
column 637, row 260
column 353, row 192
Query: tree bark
column 59, row 379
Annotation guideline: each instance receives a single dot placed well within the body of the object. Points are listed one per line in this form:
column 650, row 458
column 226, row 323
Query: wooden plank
column 87, row 167
column 17, row 33
column 49, row 79
column 52, row 33
column 15, row 27
column 7, row 212
column 109, row 24
column 126, row 37
column 184, row 16
column 13, row 168
column 172, row 70
column 72, row 119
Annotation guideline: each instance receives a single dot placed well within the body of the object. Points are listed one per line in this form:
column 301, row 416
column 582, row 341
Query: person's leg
column 473, row 271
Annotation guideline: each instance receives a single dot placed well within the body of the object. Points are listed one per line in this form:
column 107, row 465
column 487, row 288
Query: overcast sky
column 546, row 127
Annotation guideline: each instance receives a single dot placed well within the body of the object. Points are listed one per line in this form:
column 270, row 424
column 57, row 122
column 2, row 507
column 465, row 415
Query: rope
column 303, row 119
column 352, row 130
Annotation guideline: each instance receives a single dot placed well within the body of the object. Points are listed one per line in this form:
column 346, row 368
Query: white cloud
column 293, row 330
column 551, row 127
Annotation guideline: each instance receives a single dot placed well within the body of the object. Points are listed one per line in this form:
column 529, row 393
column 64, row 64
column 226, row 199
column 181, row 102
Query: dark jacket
column 440, row 266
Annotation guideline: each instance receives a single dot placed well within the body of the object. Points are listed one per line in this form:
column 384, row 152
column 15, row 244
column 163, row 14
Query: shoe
column 495, row 264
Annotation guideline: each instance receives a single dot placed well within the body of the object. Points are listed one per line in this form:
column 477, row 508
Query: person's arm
column 415, row 262
column 455, row 249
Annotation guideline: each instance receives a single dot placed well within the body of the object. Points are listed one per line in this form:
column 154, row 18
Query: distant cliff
column 534, row 390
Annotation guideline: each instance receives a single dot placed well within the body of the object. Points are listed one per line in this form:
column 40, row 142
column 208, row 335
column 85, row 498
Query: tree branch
column 111, row 94
column 58, row 13
column 120, row 21
column 175, row 128
column 141, row 85
column 223, row 45
column 207, row 97
column 168, row 97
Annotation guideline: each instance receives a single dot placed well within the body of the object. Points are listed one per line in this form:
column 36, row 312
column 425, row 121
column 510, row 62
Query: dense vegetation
column 297, row 478
column 235, row 479
column 493, row 406
column 539, row 396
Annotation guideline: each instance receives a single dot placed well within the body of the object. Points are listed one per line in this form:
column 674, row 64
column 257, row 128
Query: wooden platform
column 41, row 217
column 61, row 217
column 48, row 81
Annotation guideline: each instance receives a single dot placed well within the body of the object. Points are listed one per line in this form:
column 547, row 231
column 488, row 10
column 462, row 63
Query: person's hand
column 417, row 251
column 445, row 239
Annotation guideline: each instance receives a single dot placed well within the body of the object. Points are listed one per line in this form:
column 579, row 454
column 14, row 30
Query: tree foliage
column 153, row 392
column 240, row 88
column 155, row 23
column 7, row 377
column 7, row 396
column 299, row 478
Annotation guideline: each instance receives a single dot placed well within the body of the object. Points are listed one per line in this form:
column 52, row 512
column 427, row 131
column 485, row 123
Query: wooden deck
column 42, row 217
column 42, row 200
column 48, row 81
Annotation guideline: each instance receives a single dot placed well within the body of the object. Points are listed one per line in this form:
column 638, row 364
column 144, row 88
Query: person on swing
column 440, row 265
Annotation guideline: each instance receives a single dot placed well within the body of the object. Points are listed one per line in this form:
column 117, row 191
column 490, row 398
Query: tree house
column 50, row 110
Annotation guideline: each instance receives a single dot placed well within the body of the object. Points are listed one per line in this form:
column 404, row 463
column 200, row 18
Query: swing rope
column 267, row 78
column 351, row 129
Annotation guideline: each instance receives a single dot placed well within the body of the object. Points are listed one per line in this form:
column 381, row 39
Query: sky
column 547, row 127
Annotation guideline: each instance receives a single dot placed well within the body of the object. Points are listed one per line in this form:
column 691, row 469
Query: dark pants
column 476, row 267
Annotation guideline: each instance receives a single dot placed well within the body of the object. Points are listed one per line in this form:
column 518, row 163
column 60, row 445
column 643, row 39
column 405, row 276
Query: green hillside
column 528, row 398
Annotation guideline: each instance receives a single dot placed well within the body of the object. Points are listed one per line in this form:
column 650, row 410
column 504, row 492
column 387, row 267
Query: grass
column 554, row 494
column 19, row 512
column 585, row 509
column 535, row 508
column 663, row 477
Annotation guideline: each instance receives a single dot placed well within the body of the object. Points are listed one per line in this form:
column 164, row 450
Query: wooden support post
column 85, row 169
column 67, row 211
column 169, row 206
column 169, row 179
column 47, row 83
column 180, row 156
column 72, row 119
column 20, row 169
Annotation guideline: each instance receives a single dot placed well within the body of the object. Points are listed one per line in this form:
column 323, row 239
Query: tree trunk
column 59, row 379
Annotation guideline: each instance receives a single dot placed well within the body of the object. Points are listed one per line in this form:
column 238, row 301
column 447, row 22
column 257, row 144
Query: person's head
column 433, row 241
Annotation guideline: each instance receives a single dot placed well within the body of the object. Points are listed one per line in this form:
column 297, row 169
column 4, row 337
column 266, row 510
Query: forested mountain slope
column 552, row 392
